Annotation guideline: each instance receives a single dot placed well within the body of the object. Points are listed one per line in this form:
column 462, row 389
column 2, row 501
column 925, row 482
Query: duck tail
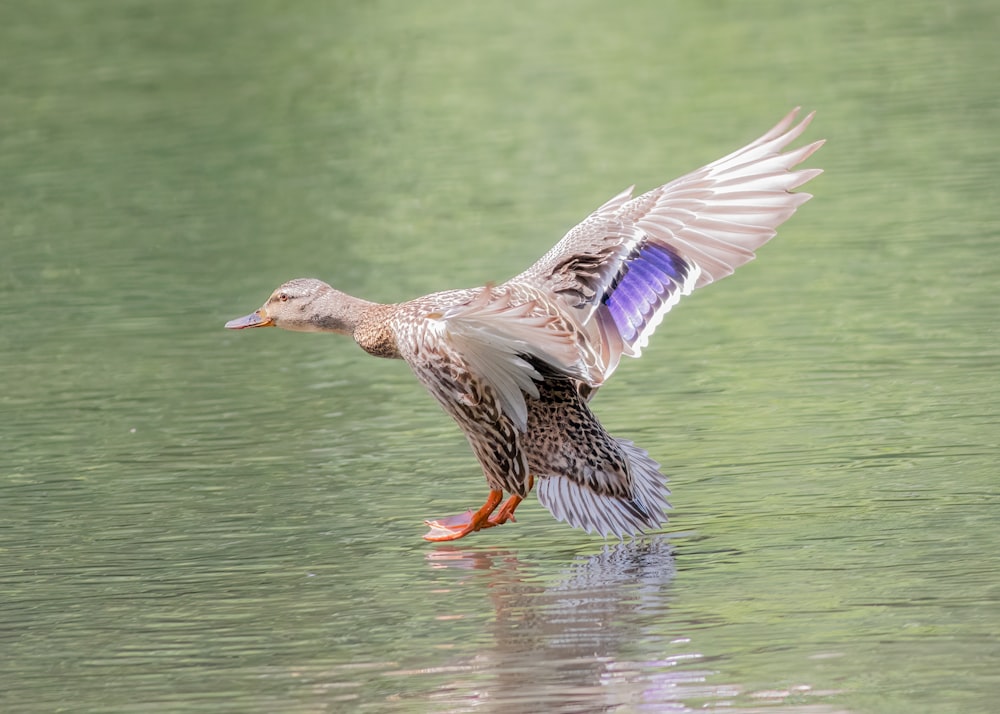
column 582, row 506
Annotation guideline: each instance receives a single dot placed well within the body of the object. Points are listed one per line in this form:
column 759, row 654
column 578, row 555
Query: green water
column 196, row 520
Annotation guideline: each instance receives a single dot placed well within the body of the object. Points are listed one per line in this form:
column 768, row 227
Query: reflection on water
column 563, row 645
column 585, row 642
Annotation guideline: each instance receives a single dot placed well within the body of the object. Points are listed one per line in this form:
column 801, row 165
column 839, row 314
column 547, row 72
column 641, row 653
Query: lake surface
column 195, row 520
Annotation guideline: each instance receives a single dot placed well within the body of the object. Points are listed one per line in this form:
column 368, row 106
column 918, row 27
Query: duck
column 516, row 364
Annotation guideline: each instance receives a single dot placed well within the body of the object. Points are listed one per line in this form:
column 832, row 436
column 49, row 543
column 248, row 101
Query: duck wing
column 488, row 344
column 630, row 262
column 480, row 358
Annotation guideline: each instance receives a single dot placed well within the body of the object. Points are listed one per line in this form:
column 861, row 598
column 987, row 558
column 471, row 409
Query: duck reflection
column 576, row 644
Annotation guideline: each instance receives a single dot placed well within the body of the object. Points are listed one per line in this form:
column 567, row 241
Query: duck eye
column 283, row 297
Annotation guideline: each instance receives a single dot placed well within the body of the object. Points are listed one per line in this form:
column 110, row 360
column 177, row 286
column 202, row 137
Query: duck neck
column 334, row 311
column 369, row 323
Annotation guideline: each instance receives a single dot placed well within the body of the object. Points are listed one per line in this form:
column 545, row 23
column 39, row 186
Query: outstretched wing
column 632, row 260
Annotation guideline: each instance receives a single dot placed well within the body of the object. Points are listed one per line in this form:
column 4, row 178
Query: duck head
column 305, row 305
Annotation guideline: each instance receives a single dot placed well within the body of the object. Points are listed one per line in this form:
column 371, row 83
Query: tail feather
column 625, row 515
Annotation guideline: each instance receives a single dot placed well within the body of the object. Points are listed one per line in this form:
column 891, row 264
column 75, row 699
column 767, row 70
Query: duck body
column 529, row 421
column 516, row 364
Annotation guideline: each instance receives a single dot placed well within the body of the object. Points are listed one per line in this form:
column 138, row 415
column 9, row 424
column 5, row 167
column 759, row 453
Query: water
column 195, row 520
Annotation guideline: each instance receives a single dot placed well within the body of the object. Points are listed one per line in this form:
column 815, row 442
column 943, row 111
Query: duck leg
column 455, row 527
column 506, row 512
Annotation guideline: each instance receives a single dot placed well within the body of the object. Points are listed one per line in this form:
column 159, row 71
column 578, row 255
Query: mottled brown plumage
column 515, row 364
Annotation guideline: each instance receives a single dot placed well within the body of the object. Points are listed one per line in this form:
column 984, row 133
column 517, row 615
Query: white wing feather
column 493, row 336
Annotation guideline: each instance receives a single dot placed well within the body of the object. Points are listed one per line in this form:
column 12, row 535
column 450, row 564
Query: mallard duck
column 516, row 363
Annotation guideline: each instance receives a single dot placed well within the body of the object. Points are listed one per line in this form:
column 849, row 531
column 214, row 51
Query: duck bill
column 254, row 319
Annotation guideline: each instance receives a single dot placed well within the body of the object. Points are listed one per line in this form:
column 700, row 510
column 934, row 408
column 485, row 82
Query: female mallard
column 515, row 364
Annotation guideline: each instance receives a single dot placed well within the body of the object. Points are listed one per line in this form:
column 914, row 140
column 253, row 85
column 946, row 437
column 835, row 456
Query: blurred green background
column 196, row 520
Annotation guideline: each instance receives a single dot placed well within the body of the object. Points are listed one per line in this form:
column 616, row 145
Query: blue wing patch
column 651, row 276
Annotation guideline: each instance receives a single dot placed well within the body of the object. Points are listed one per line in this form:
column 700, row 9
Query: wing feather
column 629, row 262
column 492, row 336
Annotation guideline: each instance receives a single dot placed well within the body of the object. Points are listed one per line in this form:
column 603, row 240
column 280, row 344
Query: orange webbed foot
column 450, row 527
column 461, row 525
